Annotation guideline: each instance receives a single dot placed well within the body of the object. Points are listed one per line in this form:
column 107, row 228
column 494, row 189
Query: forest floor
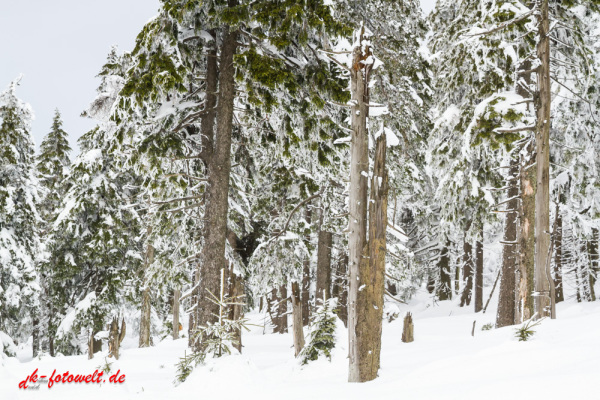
column 560, row 361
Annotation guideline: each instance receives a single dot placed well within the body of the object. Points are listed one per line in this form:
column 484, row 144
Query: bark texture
column 176, row 297
column 524, row 303
column 359, row 171
column 369, row 302
column 115, row 337
column 324, row 266
column 506, row 300
column 297, row 324
column 217, row 195
column 544, row 300
column 146, row 308
column 408, row 329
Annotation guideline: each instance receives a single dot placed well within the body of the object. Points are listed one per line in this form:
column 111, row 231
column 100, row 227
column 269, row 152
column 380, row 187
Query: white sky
column 60, row 45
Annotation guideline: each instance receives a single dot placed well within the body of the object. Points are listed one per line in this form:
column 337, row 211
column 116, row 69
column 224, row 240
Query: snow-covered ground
column 561, row 361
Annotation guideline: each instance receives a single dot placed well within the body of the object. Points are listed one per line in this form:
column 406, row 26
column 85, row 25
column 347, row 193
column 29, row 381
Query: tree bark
column 176, row 296
column 506, row 301
column 558, row 283
column 444, row 291
column 359, row 171
column 543, row 302
column 340, row 288
column 36, row 334
column 408, row 329
column 592, row 250
column 282, row 309
column 479, row 271
column 324, row 266
column 297, row 319
column 115, row 337
column 217, row 196
column 524, row 303
column 306, row 277
column 369, row 301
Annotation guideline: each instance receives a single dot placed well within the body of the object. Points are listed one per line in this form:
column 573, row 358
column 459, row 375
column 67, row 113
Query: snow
column 445, row 361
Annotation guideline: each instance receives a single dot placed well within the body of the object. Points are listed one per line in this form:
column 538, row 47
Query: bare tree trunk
column 444, row 291
column 359, row 171
column 324, row 266
column 217, row 196
column 506, row 301
column 369, row 302
column 176, row 296
column 306, row 277
column 146, row 305
column 543, row 301
column 465, row 298
column 524, row 303
column 282, row 309
column 408, row 329
column 297, row 319
column 479, row 272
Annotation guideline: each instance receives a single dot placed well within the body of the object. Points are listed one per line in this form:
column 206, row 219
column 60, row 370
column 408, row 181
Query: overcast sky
column 60, row 45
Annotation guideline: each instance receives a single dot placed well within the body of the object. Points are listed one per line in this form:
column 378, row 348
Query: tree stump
column 115, row 337
column 408, row 331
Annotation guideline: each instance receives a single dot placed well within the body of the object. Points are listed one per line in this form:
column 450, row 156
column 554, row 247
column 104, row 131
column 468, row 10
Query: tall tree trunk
column 217, row 196
column 369, row 302
column 479, row 271
column 527, row 176
column 506, row 301
column 544, row 300
column 306, row 276
column 324, row 266
column 236, row 311
column 176, row 297
column 444, row 291
column 146, row 304
column 465, row 298
column 359, row 171
column 297, row 324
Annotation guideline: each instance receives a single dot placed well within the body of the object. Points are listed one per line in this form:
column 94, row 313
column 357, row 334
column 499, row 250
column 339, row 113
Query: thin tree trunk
column 506, row 301
column 479, row 272
column 359, row 171
column 297, row 319
column 369, row 302
column 324, row 266
column 282, row 309
column 146, row 308
column 340, row 288
column 592, row 250
column 465, row 298
column 306, row 276
column 36, row 334
column 543, row 283
column 524, row 303
column 217, row 199
column 444, row 291
column 176, row 296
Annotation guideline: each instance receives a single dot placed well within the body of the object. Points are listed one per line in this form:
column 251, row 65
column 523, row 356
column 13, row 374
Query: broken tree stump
column 408, row 331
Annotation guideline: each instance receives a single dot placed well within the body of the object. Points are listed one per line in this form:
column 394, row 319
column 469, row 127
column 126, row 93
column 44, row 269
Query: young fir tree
column 52, row 169
column 19, row 218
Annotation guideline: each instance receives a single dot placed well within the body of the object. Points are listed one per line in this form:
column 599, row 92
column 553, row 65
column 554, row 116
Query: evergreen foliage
column 321, row 339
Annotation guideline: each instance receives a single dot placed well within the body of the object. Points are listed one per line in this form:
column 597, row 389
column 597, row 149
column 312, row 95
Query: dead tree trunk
column 524, row 303
column 297, row 319
column 369, row 302
column 306, row 276
column 176, row 296
column 408, row 329
column 359, row 171
column 506, row 301
column 479, row 272
column 544, row 300
column 115, row 337
column 324, row 266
